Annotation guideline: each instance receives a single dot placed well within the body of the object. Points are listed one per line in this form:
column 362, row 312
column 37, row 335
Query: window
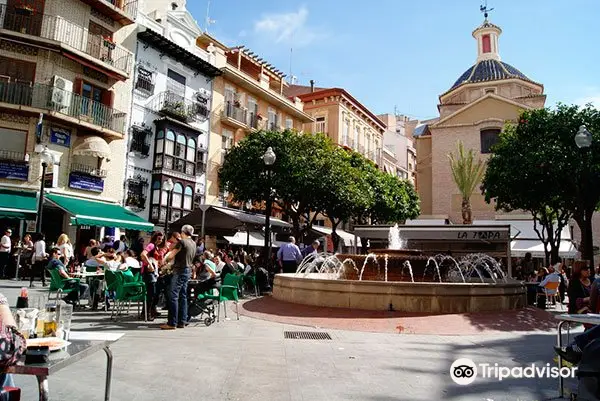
column 289, row 123
column 170, row 143
column 160, row 141
column 272, row 118
column 485, row 44
column 191, row 150
column 188, row 197
column 345, row 132
column 226, row 143
column 13, row 144
column 136, row 193
column 490, row 90
column 356, row 135
column 140, row 142
column 17, row 70
column 180, row 146
column 156, row 192
column 320, row 124
column 145, row 81
column 177, row 197
column 175, row 83
column 489, row 137
column 368, row 143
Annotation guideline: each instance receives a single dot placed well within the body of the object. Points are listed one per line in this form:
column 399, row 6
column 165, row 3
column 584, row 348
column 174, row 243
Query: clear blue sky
column 405, row 53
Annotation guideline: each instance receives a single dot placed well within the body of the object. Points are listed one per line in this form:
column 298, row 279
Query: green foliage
column 536, row 166
column 312, row 175
column 466, row 171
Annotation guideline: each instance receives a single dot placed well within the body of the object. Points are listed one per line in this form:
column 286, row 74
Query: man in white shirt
column 5, row 248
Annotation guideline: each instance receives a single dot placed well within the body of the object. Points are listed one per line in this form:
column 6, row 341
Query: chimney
column 312, row 85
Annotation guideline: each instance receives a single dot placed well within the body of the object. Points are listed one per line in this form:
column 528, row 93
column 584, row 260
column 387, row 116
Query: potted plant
column 108, row 42
column 24, row 9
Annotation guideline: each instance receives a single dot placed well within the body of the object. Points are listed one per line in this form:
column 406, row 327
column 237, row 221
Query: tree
column 537, row 167
column 294, row 179
column 466, row 173
column 349, row 193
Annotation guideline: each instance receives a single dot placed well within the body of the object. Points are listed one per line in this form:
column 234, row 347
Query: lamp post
column 583, row 140
column 47, row 160
column 269, row 159
column 168, row 186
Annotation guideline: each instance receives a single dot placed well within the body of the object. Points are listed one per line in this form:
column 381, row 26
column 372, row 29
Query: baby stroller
column 199, row 305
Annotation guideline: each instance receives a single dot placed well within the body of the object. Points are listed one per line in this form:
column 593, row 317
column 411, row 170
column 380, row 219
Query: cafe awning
column 347, row 238
column 519, row 248
column 253, row 238
column 219, row 219
column 17, row 204
column 92, row 213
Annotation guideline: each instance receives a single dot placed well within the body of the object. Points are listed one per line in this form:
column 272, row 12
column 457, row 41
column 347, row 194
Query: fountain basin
column 320, row 289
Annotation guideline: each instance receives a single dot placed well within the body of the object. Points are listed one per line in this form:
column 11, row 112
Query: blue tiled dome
column 489, row 70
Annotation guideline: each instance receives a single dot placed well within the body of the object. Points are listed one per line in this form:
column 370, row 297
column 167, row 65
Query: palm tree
column 467, row 173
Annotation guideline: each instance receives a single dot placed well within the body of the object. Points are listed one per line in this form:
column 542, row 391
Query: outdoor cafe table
column 589, row 318
column 83, row 344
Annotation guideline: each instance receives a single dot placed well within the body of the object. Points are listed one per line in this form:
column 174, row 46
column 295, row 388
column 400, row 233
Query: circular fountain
column 401, row 280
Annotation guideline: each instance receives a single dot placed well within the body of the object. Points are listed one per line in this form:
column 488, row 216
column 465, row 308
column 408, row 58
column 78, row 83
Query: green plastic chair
column 90, row 269
column 251, row 279
column 229, row 291
column 126, row 292
column 57, row 283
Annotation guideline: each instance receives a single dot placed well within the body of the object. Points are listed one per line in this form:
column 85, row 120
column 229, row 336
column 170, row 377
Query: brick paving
column 524, row 320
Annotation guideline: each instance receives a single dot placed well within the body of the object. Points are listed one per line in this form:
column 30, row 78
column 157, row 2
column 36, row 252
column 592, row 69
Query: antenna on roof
column 208, row 21
column 485, row 10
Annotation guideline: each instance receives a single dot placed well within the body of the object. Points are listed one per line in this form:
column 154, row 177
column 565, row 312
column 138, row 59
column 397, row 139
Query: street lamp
column 47, row 159
column 583, row 140
column 168, row 186
column 269, row 159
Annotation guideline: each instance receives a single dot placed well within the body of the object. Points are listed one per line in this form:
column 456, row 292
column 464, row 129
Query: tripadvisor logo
column 463, row 371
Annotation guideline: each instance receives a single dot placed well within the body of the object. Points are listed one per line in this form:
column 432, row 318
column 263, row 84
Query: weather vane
column 485, row 10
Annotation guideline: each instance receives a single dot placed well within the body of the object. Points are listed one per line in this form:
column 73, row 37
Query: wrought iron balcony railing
column 178, row 107
column 26, row 20
column 93, row 171
column 71, row 104
column 236, row 112
column 9, row 155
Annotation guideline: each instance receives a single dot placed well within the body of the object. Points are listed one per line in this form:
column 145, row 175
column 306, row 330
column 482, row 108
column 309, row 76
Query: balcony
column 67, row 106
column 11, row 156
column 234, row 115
column 179, row 108
column 121, row 11
column 58, row 32
column 140, row 141
column 89, row 170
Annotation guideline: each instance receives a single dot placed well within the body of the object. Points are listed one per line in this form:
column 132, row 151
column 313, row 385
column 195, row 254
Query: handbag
column 152, row 265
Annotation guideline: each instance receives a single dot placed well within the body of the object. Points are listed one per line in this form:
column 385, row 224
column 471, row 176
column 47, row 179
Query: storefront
column 18, row 210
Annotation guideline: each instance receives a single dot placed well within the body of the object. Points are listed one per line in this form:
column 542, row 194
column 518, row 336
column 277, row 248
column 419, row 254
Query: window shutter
column 108, row 98
column 77, row 85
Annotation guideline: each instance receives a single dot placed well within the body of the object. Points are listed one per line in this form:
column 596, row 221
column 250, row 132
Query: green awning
column 91, row 213
column 18, row 204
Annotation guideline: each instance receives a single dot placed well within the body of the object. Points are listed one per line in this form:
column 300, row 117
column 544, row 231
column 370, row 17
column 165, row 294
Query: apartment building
column 399, row 153
column 250, row 94
column 65, row 88
column 172, row 90
column 343, row 118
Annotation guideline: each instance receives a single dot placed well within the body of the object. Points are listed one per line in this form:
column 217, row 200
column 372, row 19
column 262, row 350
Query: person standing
column 311, row 250
column 66, row 249
column 5, row 248
column 151, row 257
column 183, row 259
column 39, row 260
column 289, row 256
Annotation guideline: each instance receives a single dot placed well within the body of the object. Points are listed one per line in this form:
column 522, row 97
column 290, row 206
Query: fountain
column 434, row 284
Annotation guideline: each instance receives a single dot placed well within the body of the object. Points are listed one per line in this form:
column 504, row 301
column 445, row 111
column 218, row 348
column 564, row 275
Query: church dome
column 489, row 70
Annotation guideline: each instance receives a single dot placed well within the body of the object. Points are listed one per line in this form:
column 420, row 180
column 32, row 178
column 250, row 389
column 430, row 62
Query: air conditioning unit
column 62, row 89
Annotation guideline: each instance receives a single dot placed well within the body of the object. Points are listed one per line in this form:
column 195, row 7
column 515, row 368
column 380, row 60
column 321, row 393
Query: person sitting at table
column 13, row 346
column 551, row 277
column 204, row 275
column 113, row 261
column 87, row 252
column 74, row 296
column 96, row 259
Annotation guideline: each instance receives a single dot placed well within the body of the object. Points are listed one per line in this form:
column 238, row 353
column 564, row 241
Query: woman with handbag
column 151, row 259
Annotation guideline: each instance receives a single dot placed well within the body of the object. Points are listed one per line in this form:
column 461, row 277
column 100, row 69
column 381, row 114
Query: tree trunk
column 586, row 247
column 335, row 238
column 467, row 214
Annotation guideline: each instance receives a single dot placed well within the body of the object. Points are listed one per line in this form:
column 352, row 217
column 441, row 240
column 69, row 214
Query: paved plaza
column 249, row 359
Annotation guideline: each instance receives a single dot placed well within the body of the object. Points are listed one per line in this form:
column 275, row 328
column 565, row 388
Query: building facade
column 399, row 153
column 172, row 89
column 65, row 71
column 248, row 95
column 342, row 118
column 473, row 110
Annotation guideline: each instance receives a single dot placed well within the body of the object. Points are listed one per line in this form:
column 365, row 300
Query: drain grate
column 306, row 335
